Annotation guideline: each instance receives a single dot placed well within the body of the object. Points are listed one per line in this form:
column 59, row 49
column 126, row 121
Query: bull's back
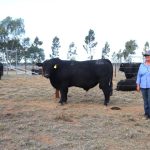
column 88, row 69
column 86, row 74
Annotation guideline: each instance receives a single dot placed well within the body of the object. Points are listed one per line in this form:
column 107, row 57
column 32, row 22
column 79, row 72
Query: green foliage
column 35, row 53
column 71, row 55
column 117, row 57
column 25, row 43
column 90, row 44
column 13, row 27
column 130, row 47
column 55, row 47
column 12, row 51
column 37, row 42
column 11, row 31
column 105, row 51
column 3, row 39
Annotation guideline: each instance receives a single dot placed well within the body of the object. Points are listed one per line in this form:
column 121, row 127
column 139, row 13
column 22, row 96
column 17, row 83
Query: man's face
column 147, row 58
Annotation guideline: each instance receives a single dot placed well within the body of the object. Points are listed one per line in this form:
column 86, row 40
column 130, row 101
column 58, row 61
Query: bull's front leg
column 63, row 98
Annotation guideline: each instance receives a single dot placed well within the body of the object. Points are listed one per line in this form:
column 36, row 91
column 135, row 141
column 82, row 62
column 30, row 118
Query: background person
column 143, row 82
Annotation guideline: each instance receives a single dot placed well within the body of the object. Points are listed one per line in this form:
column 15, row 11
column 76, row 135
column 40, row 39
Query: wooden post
column 57, row 94
column 42, row 71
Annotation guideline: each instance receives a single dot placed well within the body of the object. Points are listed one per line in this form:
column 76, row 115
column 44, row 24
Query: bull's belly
column 85, row 85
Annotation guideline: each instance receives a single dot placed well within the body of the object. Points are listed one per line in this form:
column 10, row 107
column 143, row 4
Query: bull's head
column 49, row 66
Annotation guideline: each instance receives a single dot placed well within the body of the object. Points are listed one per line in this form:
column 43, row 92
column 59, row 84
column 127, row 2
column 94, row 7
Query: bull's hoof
column 62, row 102
column 65, row 102
column 111, row 93
column 106, row 104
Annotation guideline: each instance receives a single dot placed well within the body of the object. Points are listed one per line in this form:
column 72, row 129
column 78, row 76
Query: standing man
column 143, row 82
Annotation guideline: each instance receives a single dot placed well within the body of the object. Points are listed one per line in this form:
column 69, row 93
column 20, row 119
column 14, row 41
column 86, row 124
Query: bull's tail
column 111, row 84
column 110, row 77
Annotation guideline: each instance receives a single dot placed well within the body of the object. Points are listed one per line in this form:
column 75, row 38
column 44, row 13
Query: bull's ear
column 39, row 64
column 55, row 66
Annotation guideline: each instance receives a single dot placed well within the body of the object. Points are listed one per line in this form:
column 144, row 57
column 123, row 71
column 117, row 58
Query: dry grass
column 31, row 118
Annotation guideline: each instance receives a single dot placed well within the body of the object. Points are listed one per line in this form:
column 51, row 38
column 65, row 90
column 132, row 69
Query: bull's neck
column 54, row 82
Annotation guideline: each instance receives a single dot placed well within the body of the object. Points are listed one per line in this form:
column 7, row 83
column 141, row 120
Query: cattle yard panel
column 20, row 69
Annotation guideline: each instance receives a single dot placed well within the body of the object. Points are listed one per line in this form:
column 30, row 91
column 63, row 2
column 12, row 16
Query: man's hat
column 146, row 53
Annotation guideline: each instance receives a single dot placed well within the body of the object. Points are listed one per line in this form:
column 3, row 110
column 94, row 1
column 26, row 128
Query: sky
column 113, row 21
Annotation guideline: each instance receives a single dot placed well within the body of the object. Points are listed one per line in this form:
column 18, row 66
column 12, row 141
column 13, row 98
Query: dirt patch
column 31, row 118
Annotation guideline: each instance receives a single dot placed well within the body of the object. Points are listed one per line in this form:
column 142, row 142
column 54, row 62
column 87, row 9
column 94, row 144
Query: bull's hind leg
column 63, row 98
column 107, row 91
column 106, row 95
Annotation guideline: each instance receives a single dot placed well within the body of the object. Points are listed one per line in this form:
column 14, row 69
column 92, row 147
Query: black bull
column 84, row 74
column 126, row 85
column 130, row 69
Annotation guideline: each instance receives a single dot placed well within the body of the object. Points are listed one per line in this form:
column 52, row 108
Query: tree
column 11, row 31
column 35, row 53
column 130, row 47
column 71, row 55
column 37, row 42
column 25, row 46
column 14, row 51
column 90, row 44
column 55, row 47
column 119, row 56
column 25, row 43
column 3, row 39
column 116, row 57
column 146, row 46
column 105, row 51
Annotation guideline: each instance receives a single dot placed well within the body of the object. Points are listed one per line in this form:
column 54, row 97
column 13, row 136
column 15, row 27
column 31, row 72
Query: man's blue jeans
column 146, row 98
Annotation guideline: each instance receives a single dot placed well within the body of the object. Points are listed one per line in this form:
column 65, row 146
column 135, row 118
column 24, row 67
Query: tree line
column 126, row 54
column 13, row 43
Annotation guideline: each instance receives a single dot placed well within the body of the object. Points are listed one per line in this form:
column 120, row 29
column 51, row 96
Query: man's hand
column 138, row 88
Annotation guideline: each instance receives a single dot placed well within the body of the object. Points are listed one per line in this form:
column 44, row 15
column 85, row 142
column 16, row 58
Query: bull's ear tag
column 55, row 66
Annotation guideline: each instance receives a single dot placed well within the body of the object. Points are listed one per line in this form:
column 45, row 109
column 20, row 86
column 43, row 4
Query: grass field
column 32, row 119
